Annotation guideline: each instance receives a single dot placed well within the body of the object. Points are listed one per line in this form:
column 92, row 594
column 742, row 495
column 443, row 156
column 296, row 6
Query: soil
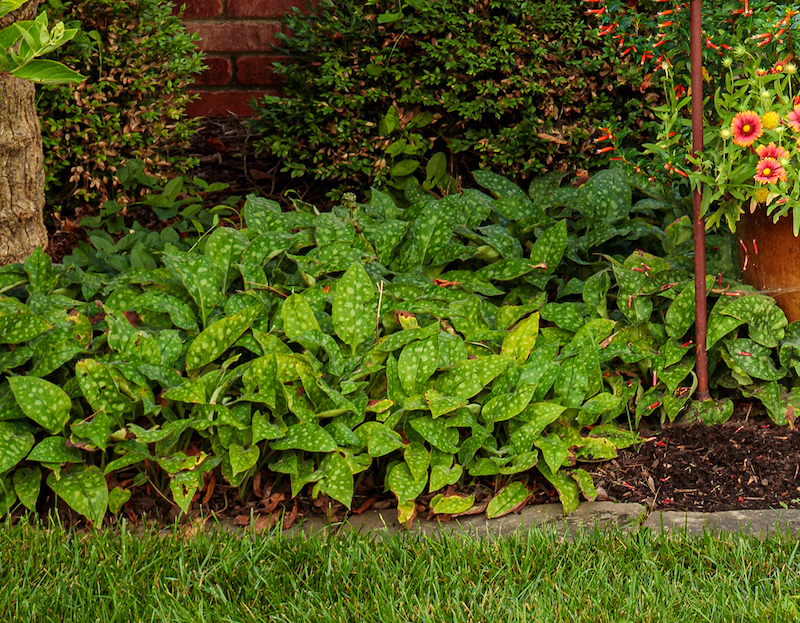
column 748, row 463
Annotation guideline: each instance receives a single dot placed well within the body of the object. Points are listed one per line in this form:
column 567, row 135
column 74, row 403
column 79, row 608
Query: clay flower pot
column 769, row 255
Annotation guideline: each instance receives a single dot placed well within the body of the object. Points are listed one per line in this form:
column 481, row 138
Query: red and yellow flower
column 793, row 118
column 769, row 171
column 772, row 151
column 746, row 127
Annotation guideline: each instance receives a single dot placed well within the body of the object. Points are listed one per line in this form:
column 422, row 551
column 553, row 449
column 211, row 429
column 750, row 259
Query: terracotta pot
column 769, row 255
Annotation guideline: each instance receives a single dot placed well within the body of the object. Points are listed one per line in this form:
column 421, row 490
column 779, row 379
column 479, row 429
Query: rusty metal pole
column 701, row 318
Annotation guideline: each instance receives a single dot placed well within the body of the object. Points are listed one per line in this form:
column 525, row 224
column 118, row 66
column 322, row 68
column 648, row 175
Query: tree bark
column 21, row 162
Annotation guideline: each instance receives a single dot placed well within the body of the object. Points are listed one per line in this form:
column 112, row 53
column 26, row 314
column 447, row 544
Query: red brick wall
column 237, row 37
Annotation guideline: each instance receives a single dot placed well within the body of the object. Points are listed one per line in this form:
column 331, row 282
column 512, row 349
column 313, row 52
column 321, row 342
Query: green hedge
column 374, row 90
column 138, row 60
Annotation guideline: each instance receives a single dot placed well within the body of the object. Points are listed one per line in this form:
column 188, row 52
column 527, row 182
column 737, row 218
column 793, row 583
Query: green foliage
column 138, row 60
column 393, row 92
column 270, row 347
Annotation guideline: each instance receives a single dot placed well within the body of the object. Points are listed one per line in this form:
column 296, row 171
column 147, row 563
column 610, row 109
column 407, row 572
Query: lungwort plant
column 472, row 337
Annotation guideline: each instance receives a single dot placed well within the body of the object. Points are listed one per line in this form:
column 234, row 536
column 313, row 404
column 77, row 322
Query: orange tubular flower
column 746, row 127
column 771, row 151
column 769, row 171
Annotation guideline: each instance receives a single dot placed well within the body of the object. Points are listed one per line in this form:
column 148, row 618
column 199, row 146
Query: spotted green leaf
column 354, row 307
column 680, row 315
column 444, row 475
column 84, row 489
column 117, row 498
column 263, row 428
column 95, row 428
column 506, row 406
column 433, row 229
column 403, row 484
column 567, row 488
column 440, row 404
column 537, row 417
column 42, row 401
column 241, row 459
column 307, row 436
column 510, row 496
column 39, row 267
column 15, row 443
column 619, row 437
column 406, row 336
column 200, row 278
column 28, row 484
column 54, row 450
column 606, row 197
column 572, row 382
column 451, row 504
column 338, row 481
column 179, row 312
column 18, row 328
column 507, row 269
column 219, row 337
column 585, row 483
column 766, row 322
column 437, row 433
column 549, row 248
column 417, row 362
column 710, row 412
column 596, row 449
column 754, row 359
column 298, row 317
column 555, row 450
column 379, row 438
column 470, row 376
column 719, row 326
column 8, row 496
column 183, row 486
column 418, row 459
column 223, row 249
column 519, row 342
column 99, row 388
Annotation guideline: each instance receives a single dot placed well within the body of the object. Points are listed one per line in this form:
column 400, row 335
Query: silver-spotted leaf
column 84, row 489
column 567, row 488
column 506, row 406
column 417, row 362
column 354, row 307
column 241, row 459
column 298, row 317
column 307, row 436
column 554, row 449
column 379, row 438
column 437, row 433
column 439, row 404
column 403, row 484
column 42, row 401
column 585, row 483
column 451, row 504
column 41, row 277
column 200, row 278
column 549, row 248
column 17, row 328
column 754, row 359
column 338, row 482
column 117, row 498
column 470, row 376
column 519, row 342
column 418, row 459
column 15, row 444
column 219, row 337
column 98, row 387
column 443, row 476
column 183, row 486
column 509, row 497
column 54, row 450
column 28, row 484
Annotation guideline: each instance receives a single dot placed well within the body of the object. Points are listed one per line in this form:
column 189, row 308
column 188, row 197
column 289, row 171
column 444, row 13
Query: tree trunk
column 21, row 162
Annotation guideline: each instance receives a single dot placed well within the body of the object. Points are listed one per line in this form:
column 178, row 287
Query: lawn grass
column 57, row 575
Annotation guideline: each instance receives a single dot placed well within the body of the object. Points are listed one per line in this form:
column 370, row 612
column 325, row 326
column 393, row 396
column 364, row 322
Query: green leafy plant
column 25, row 41
column 138, row 60
column 473, row 337
column 382, row 91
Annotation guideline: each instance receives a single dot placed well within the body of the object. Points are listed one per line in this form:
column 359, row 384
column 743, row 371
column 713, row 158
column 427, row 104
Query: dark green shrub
column 376, row 89
column 138, row 60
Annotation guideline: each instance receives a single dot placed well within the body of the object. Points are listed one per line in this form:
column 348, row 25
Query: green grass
column 55, row 575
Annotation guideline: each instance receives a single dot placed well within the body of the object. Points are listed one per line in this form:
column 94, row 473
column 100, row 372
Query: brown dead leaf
column 290, row 517
column 257, row 484
column 212, row 483
column 272, row 501
column 477, row 509
column 242, row 520
column 366, row 505
column 217, row 145
column 265, row 522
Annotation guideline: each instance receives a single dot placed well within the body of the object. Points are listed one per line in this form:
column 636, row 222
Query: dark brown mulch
column 739, row 465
